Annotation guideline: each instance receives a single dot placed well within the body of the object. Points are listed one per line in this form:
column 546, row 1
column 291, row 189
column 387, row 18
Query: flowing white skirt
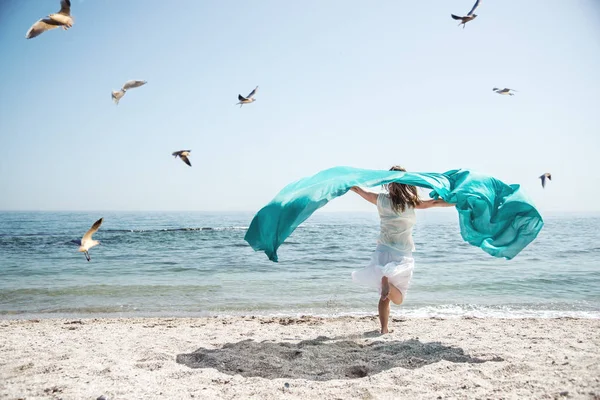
column 386, row 261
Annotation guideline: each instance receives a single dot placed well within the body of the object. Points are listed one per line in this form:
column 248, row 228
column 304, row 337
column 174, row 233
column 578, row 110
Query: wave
column 429, row 312
column 9, row 235
column 477, row 311
column 8, row 238
column 204, row 228
column 106, row 291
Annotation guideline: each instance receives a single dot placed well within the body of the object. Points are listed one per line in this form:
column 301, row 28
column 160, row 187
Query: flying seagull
column 543, row 178
column 116, row 95
column 248, row 99
column 183, row 154
column 87, row 242
column 505, row 91
column 469, row 17
column 62, row 18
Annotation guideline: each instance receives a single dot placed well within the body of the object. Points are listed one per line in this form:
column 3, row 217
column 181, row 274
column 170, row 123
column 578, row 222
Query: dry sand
column 334, row 358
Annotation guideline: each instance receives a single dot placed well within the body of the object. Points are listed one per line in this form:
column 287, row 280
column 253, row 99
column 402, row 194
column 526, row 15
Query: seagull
column 62, row 18
column 86, row 241
column 469, row 17
column 116, row 95
column 543, row 178
column 183, row 154
column 505, row 91
column 248, row 99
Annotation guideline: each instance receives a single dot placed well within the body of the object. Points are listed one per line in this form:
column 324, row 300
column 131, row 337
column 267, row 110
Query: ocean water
column 197, row 264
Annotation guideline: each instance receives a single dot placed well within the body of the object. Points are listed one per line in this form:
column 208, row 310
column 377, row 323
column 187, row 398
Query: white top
column 396, row 228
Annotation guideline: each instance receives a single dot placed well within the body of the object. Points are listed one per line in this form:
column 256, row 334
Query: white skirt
column 386, row 261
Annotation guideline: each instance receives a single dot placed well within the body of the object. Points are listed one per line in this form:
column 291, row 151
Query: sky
column 341, row 82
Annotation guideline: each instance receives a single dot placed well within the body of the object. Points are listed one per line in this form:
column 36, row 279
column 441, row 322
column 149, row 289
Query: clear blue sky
column 342, row 82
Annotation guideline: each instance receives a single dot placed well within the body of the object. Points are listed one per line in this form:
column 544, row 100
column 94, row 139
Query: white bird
column 505, row 91
column 87, row 242
column 183, row 154
column 543, row 178
column 116, row 95
column 248, row 99
column 469, row 17
column 62, row 18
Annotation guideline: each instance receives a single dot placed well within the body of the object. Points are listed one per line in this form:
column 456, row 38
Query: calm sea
column 196, row 264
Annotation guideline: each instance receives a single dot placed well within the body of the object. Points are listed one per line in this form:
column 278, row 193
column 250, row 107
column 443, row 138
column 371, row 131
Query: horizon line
column 255, row 211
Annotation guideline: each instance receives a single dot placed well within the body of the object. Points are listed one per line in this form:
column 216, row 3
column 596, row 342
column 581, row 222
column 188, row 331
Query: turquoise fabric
column 498, row 218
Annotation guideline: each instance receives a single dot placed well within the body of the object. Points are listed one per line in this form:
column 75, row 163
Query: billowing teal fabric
column 494, row 216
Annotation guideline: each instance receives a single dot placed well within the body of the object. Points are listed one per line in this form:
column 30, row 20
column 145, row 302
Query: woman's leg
column 384, row 314
column 388, row 292
column 391, row 292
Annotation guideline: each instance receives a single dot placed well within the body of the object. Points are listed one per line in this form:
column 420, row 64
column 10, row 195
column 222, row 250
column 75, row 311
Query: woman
column 392, row 265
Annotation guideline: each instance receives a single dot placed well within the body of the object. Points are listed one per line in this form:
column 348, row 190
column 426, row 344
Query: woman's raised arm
column 433, row 203
column 368, row 196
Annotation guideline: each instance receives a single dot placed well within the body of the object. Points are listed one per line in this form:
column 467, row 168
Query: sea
column 198, row 264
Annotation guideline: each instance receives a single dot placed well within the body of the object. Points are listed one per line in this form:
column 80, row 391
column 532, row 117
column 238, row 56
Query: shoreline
column 404, row 313
column 340, row 357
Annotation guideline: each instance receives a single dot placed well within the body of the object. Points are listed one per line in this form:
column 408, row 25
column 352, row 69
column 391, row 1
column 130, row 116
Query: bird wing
column 93, row 229
column 43, row 25
column 456, row 17
column 474, row 8
column 117, row 95
column 186, row 160
column 549, row 176
column 241, row 98
column 252, row 93
column 543, row 178
column 133, row 84
column 176, row 153
column 65, row 7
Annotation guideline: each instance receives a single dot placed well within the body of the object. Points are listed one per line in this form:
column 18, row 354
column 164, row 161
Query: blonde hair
column 402, row 195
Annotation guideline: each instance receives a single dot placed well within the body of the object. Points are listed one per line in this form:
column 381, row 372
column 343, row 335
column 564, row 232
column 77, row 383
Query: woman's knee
column 395, row 296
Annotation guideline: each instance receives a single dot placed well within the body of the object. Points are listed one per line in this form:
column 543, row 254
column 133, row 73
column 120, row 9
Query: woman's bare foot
column 385, row 289
column 384, row 331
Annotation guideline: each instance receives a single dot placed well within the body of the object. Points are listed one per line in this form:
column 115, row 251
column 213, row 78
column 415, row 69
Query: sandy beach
column 299, row 358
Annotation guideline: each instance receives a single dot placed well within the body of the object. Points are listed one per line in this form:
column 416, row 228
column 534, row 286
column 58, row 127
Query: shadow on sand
column 322, row 359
